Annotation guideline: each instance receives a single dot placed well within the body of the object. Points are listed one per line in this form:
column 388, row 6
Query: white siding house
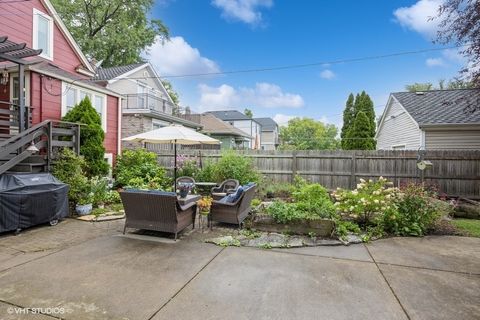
column 146, row 104
column 438, row 119
column 244, row 123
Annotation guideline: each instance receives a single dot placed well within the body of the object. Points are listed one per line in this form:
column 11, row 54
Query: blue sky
column 223, row 35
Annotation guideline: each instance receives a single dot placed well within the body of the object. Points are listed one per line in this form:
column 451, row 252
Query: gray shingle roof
column 227, row 115
column 267, row 124
column 113, row 72
column 441, row 106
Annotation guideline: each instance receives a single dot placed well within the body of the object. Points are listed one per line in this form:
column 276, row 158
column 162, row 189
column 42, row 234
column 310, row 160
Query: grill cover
column 30, row 199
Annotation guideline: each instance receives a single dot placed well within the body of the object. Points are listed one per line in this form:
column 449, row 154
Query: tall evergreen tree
column 362, row 103
column 348, row 117
column 91, row 136
column 359, row 137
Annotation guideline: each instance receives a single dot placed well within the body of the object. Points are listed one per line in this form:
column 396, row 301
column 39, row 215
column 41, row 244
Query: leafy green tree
column 171, row 92
column 248, row 113
column 426, row 86
column 359, row 137
column 308, row 134
column 91, row 136
column 113, row 31
column 348, row 117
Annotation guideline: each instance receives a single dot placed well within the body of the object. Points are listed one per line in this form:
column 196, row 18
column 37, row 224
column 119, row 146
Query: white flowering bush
column 368, row 202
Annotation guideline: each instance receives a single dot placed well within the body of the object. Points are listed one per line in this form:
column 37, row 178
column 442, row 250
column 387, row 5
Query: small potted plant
column 204, row 205
column 84, row 198
column 184, row 189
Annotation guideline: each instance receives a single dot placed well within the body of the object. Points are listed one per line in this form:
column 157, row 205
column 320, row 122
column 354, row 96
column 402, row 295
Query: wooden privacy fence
column 455, row 172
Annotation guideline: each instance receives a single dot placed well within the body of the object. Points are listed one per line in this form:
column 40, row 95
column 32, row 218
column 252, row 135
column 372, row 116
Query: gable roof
column 213, row 125
column 267, row 124
column 228, row 115
column 441, row 107
column 114, row 72
column 53, row 13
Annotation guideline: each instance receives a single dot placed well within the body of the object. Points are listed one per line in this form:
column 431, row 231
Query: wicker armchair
column 156, row 210
column 233, row 213
column 227, row 187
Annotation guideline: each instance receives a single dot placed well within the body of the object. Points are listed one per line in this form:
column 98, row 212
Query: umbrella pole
column 175, row 167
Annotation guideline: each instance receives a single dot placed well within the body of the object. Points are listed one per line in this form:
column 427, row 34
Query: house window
column 141, row 96
column 84, row 94
column 43, row 33
column 74, row 95
column 71, row 98
column 158, row 124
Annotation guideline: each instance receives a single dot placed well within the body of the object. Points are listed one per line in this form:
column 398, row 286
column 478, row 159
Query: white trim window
column 43, row 33
column 157, row 124
column 73, row 95
column 399, row 147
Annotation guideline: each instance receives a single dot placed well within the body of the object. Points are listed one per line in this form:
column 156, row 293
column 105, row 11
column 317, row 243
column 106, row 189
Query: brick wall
column 132, row 125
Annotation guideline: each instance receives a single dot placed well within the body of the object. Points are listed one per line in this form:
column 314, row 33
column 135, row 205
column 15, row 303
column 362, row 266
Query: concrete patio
column 92, row 271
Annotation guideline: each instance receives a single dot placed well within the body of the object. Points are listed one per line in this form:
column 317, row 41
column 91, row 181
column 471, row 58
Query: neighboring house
column 438, row 119
column 146, row 104
column 57, row 78
column 244, row 123
column 231, row 137
column 269, row 133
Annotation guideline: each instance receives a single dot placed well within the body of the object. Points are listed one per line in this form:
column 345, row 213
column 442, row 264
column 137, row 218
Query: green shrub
column 69, row 168
column 139, row 169
column 276, row 190
column 187, row 167
column 113, row 197
column 99, row 190
column 91, row 137
column 416, row 213
column 234, row 166
column 311, row 201
column 283, row 212
column 207, row 173
column 343, row 228
column 314, row 198
column 368, row 202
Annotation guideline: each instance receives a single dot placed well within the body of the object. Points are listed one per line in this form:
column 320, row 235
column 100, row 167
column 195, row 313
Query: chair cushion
column 235, row 196
column 219, row 194
column 224, row 200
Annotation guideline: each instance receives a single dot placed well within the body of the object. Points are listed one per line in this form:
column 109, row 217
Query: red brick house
column 59, row 77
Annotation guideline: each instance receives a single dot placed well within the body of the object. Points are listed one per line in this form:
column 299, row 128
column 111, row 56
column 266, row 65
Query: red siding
column 17, row 23
column 46, row 97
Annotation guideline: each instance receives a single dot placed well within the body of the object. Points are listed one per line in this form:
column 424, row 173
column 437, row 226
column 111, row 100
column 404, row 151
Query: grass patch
column 470, row 227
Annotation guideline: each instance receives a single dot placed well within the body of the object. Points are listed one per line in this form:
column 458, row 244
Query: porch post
column 21, row 98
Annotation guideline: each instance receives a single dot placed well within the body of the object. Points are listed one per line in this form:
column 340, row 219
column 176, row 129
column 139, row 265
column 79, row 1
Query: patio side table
column 204, row 187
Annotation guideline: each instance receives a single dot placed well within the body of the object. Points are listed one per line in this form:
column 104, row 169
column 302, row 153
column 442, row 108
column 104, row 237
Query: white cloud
column 455, row 56
column 417, row 17
column 327, row 74
column 435, row 62
column 177, row 57
column 247, row 11
column 282, row 119
column 264, row 94
column 222, row 97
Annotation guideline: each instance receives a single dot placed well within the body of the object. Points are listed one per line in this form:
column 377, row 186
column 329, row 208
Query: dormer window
column 43, row 33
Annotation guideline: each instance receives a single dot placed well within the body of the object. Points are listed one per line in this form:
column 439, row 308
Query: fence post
column 353, row 178
column 294, row 164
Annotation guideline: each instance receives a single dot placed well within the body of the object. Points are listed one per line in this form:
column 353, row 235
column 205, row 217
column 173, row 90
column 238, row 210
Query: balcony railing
column 147, row 101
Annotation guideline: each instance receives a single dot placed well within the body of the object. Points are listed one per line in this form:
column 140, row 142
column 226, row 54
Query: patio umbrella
column 173, row 134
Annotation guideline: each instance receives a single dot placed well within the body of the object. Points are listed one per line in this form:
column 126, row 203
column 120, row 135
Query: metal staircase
column 34, row 149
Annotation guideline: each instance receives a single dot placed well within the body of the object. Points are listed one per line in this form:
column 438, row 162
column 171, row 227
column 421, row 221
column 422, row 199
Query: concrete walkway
column 82, row 270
